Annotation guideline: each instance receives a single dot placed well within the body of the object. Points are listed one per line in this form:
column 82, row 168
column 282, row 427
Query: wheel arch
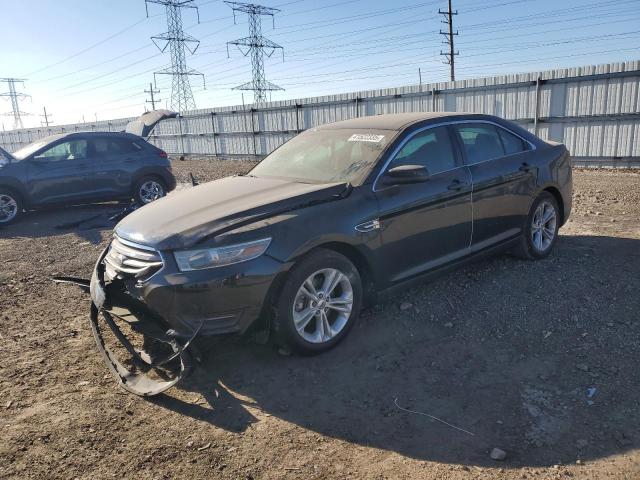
column 354, row 255
column 558, row 196
column 16, row 189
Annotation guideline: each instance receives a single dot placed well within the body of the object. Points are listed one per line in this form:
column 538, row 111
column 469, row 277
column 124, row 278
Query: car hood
column 190, row 216
column 5, row 154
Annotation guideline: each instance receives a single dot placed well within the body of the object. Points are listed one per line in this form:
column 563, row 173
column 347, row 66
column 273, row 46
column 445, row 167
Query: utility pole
column 14, row 98
column 153, row 100
column 257, row 46
column 451, row 55
column 46, row 121
column 178, row 43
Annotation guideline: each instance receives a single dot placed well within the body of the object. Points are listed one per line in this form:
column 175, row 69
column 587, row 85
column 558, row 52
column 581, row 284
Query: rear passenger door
column 503, row 183
column 116, row 161
column 425, row 225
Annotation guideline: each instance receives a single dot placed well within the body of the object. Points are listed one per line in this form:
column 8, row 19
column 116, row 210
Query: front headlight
column 188, row 260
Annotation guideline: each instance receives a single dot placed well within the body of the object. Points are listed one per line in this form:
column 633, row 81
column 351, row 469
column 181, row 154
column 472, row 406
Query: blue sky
column 95, row 58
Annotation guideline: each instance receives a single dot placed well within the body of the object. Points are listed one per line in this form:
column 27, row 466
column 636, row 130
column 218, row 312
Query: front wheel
column 319, row 302
column 149, row 189
column 541, row 230
column 10, row 207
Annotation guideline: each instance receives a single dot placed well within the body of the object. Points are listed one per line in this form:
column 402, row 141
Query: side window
column 120, row 145
column 105, row 146
column 73, row 150
column 481, row 142
column 101, row 146
column 512, row 143
column 431, row 148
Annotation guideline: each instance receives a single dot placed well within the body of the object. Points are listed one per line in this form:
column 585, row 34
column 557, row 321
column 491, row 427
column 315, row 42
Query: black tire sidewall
column 284, row 325
column 531, row 251
column 139, row 183
column 19, row 204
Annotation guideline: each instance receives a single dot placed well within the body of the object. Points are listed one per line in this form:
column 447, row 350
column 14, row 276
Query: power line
column 14, row 98
column 257, row 46
column 178, row 42
column 84, row 50
column 449, row 35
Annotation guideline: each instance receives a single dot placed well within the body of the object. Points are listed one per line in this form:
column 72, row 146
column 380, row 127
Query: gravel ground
column 538, row 359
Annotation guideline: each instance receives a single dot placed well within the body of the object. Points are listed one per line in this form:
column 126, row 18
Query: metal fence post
column 253, row 130
column 537, row 107
column 213, row 132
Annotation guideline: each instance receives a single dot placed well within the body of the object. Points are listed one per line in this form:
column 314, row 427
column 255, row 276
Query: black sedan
column 333, row 217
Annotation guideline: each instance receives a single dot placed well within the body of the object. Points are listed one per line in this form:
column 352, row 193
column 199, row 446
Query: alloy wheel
column 543, row 226
column 323, row 305
column 8, row 208
column 150, row 191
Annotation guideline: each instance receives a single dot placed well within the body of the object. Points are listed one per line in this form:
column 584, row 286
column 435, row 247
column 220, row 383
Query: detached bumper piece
column 137, row 380
column 146, row 372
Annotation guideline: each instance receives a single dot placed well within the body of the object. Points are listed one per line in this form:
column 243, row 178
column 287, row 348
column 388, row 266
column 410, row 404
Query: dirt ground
column 539, row 359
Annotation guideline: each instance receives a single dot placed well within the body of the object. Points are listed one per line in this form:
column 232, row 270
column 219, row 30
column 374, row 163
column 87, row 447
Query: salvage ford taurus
column 333, row 216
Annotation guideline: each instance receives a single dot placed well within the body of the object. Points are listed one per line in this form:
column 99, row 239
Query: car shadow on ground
column 84, row 221
column 536, row 358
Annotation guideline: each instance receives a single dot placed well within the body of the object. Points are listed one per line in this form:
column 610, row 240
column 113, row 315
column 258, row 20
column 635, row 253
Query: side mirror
column 405, row 174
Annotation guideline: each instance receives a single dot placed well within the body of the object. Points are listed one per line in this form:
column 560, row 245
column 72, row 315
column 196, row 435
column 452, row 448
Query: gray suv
column 83, row 167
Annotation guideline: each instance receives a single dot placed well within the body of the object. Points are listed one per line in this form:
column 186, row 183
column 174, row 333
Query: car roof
column 59, row 136
column 399, row 121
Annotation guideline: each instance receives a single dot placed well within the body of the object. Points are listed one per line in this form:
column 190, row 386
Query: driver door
column 428, row 224
column 61, row 173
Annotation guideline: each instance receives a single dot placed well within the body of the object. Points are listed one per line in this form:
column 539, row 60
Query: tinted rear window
column 481, row 142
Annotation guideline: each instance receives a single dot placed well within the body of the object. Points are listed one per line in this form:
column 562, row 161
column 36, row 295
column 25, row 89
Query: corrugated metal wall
column 594, row 110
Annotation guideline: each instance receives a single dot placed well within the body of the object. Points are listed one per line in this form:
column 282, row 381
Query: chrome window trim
column 441, row 124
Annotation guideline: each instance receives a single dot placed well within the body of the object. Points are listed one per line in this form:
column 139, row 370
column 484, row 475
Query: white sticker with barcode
column 365, row 137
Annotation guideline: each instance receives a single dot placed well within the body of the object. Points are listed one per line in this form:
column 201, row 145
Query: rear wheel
column 149, row 189
column 541, row 230
column 319, row 302
column 10, row 206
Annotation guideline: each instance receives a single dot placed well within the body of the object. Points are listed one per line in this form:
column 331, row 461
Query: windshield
column 326, row 156
column 24, row 152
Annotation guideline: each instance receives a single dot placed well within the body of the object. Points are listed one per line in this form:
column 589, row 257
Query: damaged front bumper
column 162, row 305
column 110, row 302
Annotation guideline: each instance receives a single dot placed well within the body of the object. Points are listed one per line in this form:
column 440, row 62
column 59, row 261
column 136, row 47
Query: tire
column 148, row 189
column 293, row 308
column 535, row 243
column 10, row 206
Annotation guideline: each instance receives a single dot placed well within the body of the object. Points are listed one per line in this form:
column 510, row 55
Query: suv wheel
column 541, row 230
column 319, row 302
column 10, row 207
column 149, row 189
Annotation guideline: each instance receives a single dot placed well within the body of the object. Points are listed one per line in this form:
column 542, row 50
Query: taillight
column 163, row 154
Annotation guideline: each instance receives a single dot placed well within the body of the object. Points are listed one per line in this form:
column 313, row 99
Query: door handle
column 525, row 167
column 129, row 160
column 457, row 185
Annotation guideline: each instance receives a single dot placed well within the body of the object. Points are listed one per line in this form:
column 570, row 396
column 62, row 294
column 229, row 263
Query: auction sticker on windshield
column 365, row 137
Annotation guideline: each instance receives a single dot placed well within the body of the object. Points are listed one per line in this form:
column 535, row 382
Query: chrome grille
column 127, row 259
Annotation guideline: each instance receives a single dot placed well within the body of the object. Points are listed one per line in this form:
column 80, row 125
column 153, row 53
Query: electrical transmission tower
column 257, row 46
column 449, row 34
column 153, row 100
column 178, row 43
column 14, row 97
